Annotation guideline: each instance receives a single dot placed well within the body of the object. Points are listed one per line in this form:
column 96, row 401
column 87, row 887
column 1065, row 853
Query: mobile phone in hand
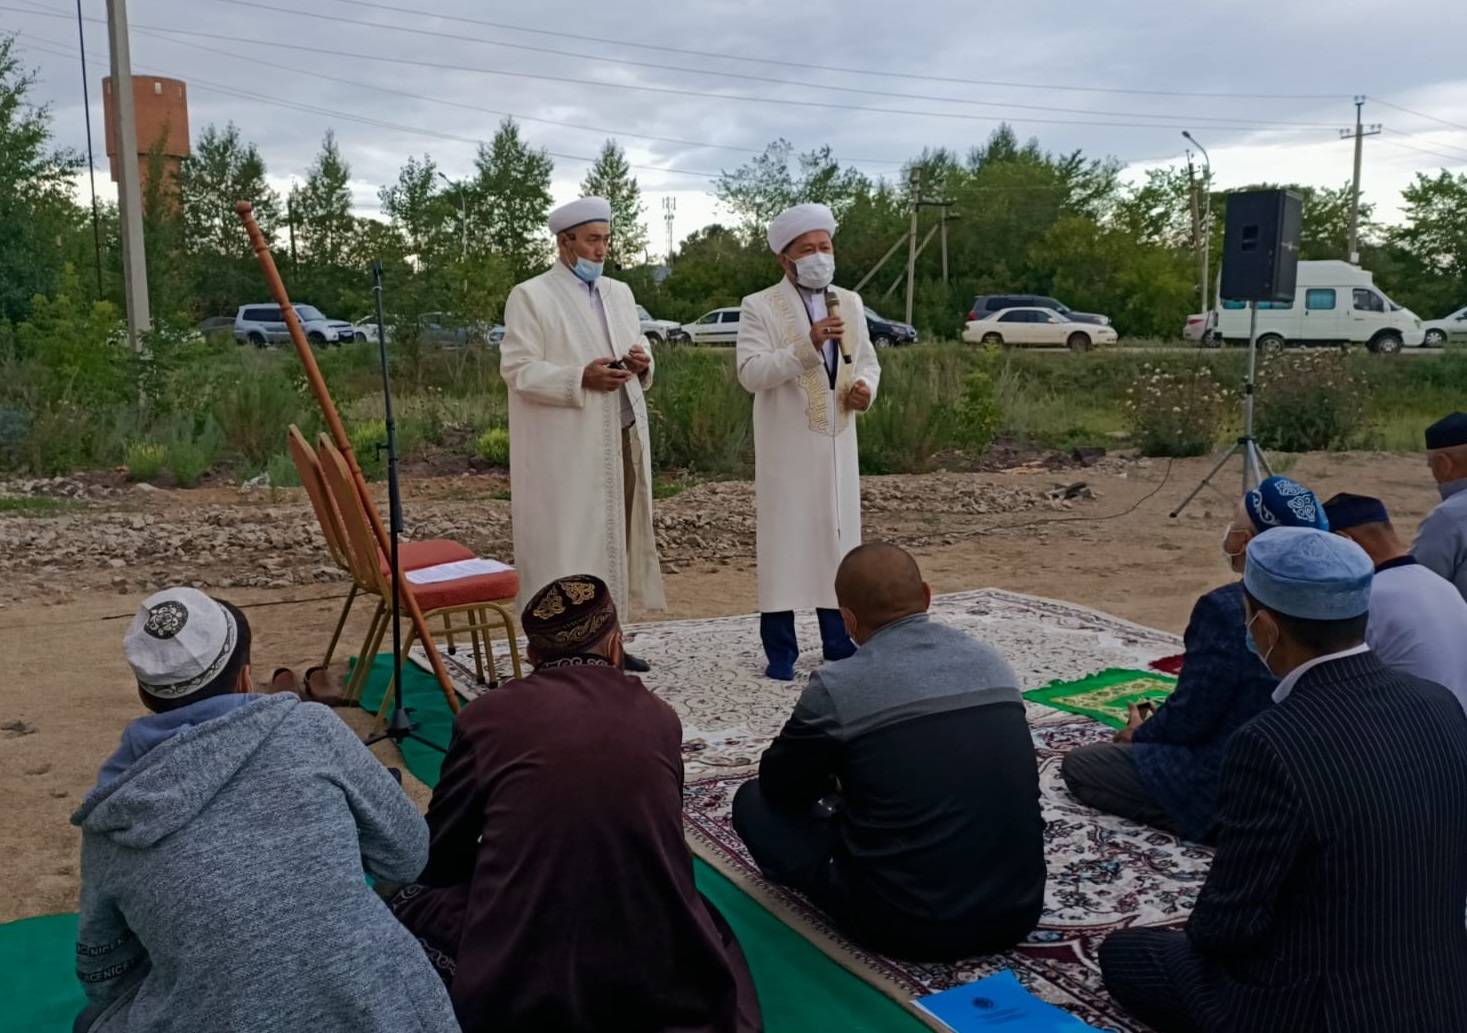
column 1146, row 709
column 618, row 364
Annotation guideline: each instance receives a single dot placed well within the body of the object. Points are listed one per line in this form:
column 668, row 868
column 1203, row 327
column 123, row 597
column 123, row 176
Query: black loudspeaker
column 1260, row 259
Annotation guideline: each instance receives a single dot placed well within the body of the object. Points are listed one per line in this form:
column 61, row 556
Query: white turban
column 578, row 213
column 796, row 222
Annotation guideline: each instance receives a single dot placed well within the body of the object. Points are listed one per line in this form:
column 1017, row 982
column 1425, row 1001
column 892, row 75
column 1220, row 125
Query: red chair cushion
column 430, row 553
column 484, row 588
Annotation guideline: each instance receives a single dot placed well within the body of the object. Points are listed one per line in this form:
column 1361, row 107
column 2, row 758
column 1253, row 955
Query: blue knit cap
column 1280, row 502
column 1307, row 573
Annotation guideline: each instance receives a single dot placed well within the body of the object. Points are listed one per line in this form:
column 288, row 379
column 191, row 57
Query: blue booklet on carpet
column 998, row 1002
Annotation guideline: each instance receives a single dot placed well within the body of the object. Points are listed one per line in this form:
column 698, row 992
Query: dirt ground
column 66, row 683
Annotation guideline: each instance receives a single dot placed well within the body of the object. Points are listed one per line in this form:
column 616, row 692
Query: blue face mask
column 1252, row 645
column 587, row 270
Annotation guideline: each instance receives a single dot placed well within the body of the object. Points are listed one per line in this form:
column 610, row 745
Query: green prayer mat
column 1104, row 696
column 800, row 989
column 39, row 992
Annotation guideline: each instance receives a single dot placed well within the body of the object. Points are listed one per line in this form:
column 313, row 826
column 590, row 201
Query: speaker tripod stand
column 1255, row 463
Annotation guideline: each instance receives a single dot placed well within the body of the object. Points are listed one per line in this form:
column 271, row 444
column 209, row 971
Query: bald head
column 878, row 584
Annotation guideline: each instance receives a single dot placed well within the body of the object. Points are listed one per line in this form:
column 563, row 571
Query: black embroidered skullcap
column 568, row 616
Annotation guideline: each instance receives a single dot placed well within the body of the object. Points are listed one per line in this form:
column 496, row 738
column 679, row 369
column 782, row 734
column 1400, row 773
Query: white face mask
column 814, row 272
column 1230, row 556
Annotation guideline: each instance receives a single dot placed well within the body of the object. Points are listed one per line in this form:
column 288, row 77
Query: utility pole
column 129, row 189
column 81, row 38
column 669, row 217
column 912, row 240
column 944, row 241
column 1360, row 133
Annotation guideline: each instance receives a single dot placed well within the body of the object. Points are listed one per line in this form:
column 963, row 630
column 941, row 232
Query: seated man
column 903, row 794
column 1335, row 899
column 1164, row 771
column 223, row 850
column 559, row 890
column 1418, row 619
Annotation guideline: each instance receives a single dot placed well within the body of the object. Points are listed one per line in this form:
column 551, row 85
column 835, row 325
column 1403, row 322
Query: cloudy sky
column 691, row 87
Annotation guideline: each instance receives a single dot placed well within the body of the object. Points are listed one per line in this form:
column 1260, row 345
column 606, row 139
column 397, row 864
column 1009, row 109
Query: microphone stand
column 400, row 726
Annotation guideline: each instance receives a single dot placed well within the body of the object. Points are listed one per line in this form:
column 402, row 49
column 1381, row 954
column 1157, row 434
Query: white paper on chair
column 453, row 571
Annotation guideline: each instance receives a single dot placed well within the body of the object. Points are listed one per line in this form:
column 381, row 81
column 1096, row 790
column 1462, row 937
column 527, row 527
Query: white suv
column 262, row 325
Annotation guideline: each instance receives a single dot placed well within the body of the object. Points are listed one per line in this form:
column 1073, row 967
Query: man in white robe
column 577, row 365
column 811, row 372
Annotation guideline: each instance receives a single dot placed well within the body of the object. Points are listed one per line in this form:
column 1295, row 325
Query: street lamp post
column 1206, row 224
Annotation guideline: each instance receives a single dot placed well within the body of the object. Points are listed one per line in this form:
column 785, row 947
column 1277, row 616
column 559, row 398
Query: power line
column 664, row 67
column 863, row 72
column 1421, row 114
column 59, row 49
column 1418, row 136
column 661, row 90
column 1456, row 159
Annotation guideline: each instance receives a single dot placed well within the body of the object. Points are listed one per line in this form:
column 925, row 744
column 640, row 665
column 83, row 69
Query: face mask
column 814, row 272
column 587, row 270
column 1230, row 556
column 1252, row 645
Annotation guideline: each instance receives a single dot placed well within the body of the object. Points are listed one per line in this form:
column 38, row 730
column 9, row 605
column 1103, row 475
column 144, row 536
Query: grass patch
column 37, row 505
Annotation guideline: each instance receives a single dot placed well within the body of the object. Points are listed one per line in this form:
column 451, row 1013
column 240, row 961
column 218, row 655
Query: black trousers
column 1103, row 776
column 794, row 850
column 802, row 851
column 1157, row 976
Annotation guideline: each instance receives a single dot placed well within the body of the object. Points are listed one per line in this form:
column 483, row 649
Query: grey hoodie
column 223, row 891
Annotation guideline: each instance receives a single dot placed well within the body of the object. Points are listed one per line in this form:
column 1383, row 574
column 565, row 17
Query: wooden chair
column 412, row 555
column 476, row 606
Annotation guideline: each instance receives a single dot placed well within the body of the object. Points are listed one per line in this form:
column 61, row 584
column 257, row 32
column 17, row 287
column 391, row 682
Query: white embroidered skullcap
column 578, row 213
column 796, row 222
column 179, row 641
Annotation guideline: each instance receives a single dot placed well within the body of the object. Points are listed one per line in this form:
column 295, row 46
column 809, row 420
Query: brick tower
column 162, row 117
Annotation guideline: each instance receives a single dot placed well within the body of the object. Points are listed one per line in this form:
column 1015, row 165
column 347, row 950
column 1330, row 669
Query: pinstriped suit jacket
column 1337, row 896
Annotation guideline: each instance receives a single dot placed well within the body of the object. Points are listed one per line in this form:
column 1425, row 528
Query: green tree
column 223, row 170
column 1434, row 241
column 324, row 224
column 509, row 201
column 760, row 189
column 611, row 177
column 37, row 213
column 425, row 218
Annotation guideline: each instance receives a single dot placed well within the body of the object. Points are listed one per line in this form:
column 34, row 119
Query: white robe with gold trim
column 806, row 468
column 565, row 461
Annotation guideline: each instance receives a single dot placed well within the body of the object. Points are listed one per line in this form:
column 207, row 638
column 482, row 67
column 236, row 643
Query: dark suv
column 887, row 333
column 983, row 304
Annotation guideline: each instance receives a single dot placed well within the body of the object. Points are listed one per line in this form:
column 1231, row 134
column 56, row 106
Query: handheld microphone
column 832, row 309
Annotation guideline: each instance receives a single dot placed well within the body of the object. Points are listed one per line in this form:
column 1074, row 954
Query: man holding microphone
column 805, row 354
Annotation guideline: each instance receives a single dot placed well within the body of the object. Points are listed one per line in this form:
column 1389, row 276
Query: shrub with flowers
column 1176, row 414
column 1311, row 401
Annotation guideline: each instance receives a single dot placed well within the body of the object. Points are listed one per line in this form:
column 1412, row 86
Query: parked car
column 656, row 330
column 262, row 325
column 1035, row 326
column 1451, row 328
column 985, row 304
column 443, row 329
column 496, row 335
column 217, row 326
column 365, row 329
column 1202, row 328
column 721, row 326
column 1334, row 303
column 887, row 333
